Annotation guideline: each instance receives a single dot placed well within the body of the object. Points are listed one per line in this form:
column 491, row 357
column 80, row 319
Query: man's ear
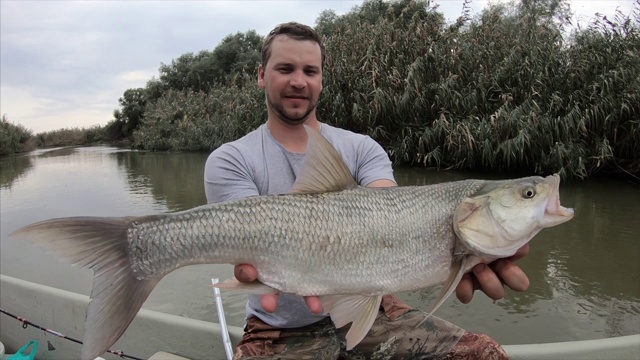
column 261, row 76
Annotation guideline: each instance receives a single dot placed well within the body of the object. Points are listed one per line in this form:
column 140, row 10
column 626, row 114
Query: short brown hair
column 295, row 31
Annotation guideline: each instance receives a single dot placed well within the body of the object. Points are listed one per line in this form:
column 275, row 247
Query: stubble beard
column 282, row 115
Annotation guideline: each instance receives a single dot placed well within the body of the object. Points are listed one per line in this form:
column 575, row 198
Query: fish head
column 503, row 216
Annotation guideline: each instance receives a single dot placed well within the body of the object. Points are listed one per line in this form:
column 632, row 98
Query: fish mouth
column 554, row 212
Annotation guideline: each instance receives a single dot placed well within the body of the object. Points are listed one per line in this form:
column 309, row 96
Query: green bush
column 186, row 120
column 13, row 137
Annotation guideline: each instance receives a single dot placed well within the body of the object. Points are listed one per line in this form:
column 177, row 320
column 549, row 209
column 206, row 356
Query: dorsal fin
column 323, row 169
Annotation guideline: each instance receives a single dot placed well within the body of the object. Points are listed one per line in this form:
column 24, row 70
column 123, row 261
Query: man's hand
column 491, row 278
column 247, row 273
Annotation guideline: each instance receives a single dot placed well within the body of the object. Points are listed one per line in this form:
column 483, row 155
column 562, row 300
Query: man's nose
column 297, row 79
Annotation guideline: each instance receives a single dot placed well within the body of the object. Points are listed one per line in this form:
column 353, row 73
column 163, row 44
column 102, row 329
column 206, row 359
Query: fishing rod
column 26, row 323
column 226, row 340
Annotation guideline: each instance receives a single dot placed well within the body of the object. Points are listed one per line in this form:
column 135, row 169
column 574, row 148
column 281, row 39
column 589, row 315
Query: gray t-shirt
column 257, row 164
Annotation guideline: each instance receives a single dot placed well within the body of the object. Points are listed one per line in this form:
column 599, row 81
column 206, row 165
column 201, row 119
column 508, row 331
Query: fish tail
column 100, row 244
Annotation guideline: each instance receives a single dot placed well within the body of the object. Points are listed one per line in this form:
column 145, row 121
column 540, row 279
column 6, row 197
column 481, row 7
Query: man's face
column 292, row 79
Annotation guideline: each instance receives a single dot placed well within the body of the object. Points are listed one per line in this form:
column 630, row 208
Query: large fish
column 329, row 237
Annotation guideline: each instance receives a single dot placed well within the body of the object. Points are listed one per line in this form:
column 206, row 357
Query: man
column 266, row 161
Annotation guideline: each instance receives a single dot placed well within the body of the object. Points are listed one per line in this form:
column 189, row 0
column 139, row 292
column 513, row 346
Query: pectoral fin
column 457, row 270
column 359, row 310
column 255, row 287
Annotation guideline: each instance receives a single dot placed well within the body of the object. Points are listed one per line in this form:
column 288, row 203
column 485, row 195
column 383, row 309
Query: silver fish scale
column 353, row 241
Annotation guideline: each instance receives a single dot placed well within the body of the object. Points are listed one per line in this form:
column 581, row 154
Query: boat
column 160, row 336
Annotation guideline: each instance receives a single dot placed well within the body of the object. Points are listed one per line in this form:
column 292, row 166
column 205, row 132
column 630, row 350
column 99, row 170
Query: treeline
column 512, row 89
column 15, row 138
column 515, row 88
column 71, row 136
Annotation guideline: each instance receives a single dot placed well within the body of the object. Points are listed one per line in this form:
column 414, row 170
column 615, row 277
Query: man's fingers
column 245, row 273
column 511, row 274
column 489, row 281
column 492, row 278
column 314, row 304
column 269, row 302
column 465, row 289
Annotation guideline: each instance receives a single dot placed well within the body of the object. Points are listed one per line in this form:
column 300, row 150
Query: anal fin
column 359, row 310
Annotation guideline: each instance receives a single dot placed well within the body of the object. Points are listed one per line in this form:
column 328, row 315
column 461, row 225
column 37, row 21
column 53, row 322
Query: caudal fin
column 99, row 244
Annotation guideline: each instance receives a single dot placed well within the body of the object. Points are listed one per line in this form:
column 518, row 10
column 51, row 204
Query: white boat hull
column 152, row 332
column 64, row 311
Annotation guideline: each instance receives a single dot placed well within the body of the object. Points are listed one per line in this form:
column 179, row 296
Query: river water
column 585, row 274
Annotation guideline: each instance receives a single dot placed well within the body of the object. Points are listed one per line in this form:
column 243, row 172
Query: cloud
column 136, row 76
column 66, row 63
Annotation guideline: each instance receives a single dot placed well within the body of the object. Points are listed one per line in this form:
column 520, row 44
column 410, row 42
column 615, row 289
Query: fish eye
column 528, row 192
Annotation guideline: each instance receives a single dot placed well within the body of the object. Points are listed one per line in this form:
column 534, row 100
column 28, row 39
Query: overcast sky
column 66, row 63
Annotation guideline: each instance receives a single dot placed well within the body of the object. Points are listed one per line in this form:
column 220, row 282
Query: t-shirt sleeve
column 373, row 163
column 227, row 175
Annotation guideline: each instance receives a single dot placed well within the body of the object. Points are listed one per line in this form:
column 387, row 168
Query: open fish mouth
column 555, row 213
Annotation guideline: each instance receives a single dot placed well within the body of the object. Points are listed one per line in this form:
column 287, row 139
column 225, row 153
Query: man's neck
column 292, row 137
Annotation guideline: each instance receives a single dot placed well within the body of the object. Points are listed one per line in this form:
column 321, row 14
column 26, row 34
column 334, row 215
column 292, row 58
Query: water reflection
column 12, row 168
column 173, row 178
column 65, row 151
column 15, row 167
